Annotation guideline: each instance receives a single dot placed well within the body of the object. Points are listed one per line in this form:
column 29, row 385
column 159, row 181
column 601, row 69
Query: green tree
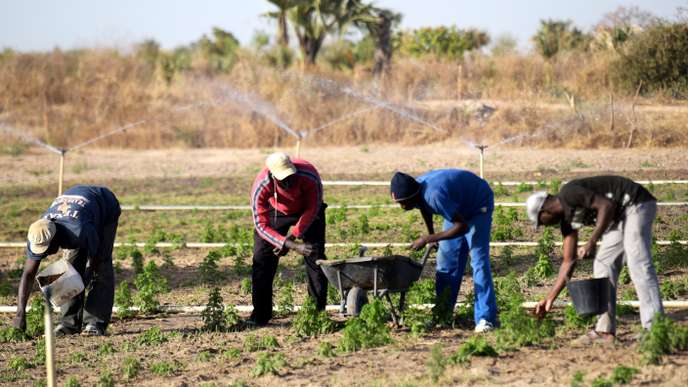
column 555, row 36
column 447, row 42
column 220, row 51
column 378, row 22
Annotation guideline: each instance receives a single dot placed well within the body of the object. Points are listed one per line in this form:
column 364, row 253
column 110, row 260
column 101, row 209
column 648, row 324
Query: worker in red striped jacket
column 287, row 204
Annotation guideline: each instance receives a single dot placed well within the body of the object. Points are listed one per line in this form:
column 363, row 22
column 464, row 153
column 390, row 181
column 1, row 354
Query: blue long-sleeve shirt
column 451, row 192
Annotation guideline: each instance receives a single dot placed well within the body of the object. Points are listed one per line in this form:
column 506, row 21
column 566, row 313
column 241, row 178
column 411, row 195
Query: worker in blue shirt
column 466, row 202
column 82, row 222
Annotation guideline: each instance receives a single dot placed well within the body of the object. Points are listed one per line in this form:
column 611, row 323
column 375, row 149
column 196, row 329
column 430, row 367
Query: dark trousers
column 265, row 264
column 95, row 307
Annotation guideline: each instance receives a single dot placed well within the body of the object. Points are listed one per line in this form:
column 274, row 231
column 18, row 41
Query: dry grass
column 65, row 98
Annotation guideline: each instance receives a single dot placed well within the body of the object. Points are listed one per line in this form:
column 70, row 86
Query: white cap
column 534, row 206
column 41, row 232
column 280, row 165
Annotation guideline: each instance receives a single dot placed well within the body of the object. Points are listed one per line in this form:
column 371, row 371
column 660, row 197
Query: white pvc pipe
column 668, row 304
column 203, row 245
column 505, row 183
column 229, row 207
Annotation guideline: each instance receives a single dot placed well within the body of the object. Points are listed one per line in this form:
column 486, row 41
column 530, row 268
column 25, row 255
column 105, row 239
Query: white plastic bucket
column 61, row 281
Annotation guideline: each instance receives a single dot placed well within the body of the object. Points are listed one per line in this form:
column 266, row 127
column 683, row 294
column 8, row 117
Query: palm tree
column 313, row 20
column 283, row 7
column 379, row 23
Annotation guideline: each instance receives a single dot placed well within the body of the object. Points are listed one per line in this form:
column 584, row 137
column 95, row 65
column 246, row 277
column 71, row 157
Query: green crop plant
column 212, row 315
column 11, row 334
column 601, row 381
column 285, row 299
column 5, row 287
column 368, row 330
column 245, row 287
column 518, row 327
column 153, row 336
column 506, row 258
column 554, row 185
column 623, row 374
column 326, row 349
column 269, row 363
column 18, row 363
column 573, row 321
column 231, row 353
column 77, row 357
column 332, row 295
column 106, row 349
column 524, row 187
column 336, row 215
column 253, row 343
column 105, row 379
column 232, row 319
column 208, row 269
column 136, row 261
column 363, row 225
column 165, row 368
column 664, row 337
column 130, row 367
column 239, row 383
column 503, row 224
column 500, row 190
column 150, row 283
column 239, row 264
column 474, row 346
column 674, row 289
column 578, row 379
column 124, row 301
column 443, row 311
column 310, row 322
column 543, row 268
column 35, row 318
column 72, row 381
column 39, row 357
column 437, row 363
column 624, row 276
column 205, row 356
column 421, row 292
column 419, row 321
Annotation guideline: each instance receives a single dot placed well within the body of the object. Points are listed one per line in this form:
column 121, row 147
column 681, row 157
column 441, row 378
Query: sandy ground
column 38, row 166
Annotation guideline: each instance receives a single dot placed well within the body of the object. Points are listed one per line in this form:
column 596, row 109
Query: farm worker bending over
column 622, row 212
column 466, row 202
column 286, row 193
column 83, row 222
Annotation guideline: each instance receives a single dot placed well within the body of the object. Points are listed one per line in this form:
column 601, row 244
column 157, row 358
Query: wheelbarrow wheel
column 355, row 300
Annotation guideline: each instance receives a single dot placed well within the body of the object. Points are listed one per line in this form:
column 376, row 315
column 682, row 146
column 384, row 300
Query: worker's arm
column 261, row 213
column 565, row 272
column 459, row 227
column 313, row 197
column 605, row 215
column 25, row 286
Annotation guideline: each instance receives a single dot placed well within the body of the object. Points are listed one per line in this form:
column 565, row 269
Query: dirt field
column 220, row 176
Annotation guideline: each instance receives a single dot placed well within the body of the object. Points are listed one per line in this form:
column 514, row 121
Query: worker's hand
column 419, row 243
column 284, row 250
column 19, row 321
column 587, row 251
column 543, row 307
column 305, row 249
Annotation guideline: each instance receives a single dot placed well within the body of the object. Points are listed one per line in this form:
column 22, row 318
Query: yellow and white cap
column 280, row 165
column 41, row 233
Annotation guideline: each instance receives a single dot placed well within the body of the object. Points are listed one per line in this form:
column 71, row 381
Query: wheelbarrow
column 354, row 277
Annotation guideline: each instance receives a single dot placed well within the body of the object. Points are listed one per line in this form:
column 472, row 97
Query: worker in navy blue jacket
column 83, row 222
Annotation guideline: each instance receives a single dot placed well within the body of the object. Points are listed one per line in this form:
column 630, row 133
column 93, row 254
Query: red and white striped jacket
column 304, row 197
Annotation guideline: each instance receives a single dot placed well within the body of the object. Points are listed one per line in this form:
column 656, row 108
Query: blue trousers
column 451, row 264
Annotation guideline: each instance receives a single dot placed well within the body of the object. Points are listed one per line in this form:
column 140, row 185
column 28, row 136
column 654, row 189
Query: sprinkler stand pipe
column 61, row 172
column 49, row 343
column 482, row 148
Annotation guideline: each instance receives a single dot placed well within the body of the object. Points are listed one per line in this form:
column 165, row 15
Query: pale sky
column 38, row 25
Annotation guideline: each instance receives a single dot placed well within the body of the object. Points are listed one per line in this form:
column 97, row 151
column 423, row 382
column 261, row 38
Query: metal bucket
column 590, row 296
column 60, row 282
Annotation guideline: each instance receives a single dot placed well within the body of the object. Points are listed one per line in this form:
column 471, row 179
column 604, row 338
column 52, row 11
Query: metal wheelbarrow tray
column 383, row 275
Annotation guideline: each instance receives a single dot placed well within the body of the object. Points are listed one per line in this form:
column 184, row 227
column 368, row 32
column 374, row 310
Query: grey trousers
column 630, row 241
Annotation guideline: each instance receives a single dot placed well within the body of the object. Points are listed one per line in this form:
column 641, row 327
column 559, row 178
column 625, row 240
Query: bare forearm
column 565, row 272
column 456, row 230
column 25, row 287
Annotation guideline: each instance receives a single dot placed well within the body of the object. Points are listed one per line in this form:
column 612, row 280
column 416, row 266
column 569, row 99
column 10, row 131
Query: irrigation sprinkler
column 60, row 178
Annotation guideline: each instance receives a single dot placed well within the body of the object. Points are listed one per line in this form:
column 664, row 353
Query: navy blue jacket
column 80, row 215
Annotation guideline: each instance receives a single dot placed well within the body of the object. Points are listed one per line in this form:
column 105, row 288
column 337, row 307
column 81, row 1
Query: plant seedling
column 269, row 363
column 475, row 346
column 123, row 301
column 310, row 322
column 151, row 337
column 368, row 330
column 131, row 367
column 623, row 374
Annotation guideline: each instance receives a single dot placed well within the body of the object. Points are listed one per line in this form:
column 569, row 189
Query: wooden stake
column 61, row 174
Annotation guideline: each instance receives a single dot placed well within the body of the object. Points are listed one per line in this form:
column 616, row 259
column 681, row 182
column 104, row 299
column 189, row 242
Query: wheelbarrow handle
column 428, row 250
